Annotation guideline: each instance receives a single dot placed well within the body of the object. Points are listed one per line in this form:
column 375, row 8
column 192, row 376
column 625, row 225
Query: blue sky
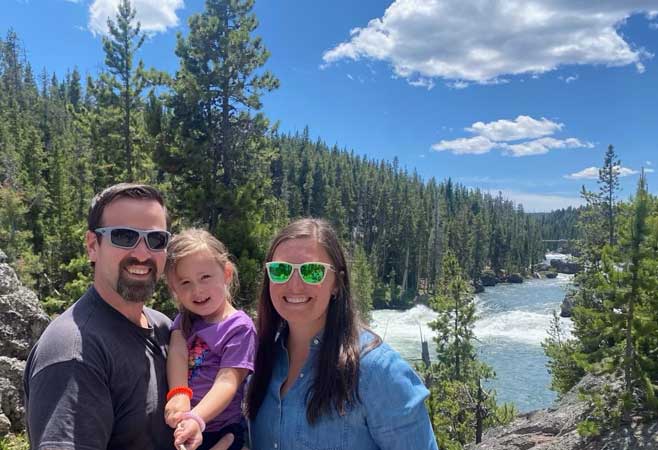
column 518, row 96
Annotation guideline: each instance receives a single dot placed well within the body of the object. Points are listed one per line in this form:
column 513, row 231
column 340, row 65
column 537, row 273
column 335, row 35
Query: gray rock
column 488, row 278
column 568, row 267
column 5, row 425
column 555, row 428
column 567, row 304
column 8, row 279
column 514, row 278
column 550, row 274
column 3, row 256
column 541, row 267
column 11, row 392
column 22, row 320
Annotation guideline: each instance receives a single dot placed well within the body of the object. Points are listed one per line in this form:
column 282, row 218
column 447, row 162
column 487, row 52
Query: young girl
column 212, row 344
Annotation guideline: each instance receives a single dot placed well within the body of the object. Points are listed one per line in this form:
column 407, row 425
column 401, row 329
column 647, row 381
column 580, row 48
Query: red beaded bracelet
column 179, row 390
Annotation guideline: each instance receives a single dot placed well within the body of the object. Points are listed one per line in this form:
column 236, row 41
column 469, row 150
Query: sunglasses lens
column 157, row 240
column 312, row 273
column 279, row 272
column 123, row 237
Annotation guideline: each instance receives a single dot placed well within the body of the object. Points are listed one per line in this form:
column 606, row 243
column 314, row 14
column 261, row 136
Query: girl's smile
column 200, row 284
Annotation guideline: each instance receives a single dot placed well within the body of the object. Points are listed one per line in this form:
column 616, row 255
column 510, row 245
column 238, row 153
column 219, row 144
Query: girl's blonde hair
column 188, row 242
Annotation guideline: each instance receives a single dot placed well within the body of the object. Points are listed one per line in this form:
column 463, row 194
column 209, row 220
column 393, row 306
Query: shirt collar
column 282, row 334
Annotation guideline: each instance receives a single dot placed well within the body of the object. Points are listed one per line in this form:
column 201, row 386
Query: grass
column 14, row 442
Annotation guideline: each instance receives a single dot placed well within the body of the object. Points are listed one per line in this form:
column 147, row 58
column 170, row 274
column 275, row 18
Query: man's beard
column 136, row 291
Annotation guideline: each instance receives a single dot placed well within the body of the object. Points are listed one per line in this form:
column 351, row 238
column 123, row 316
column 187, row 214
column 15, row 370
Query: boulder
column 22, row 320
column 550, row 274
column 555, row 428
column 12, row 412
column 562, row 266
column 514, row 278
column 488, row 278
column 567, row 304
column 541, row 267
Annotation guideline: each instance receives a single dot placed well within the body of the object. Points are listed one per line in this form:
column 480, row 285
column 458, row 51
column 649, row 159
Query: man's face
column 130, row 273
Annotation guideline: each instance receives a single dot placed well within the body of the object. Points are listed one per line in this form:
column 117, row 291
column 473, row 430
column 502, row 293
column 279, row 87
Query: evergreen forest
column 200, row 136
column 615, row 314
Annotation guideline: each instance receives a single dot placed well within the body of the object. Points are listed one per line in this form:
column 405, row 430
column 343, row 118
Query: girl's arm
column 176, row 376
column 221, row 393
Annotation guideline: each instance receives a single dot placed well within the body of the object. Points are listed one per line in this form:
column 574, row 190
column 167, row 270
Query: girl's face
column 300, row 304
column 200, row 284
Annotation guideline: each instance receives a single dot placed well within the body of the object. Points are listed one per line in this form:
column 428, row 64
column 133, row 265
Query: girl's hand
column 187, row 433
column 175, row 407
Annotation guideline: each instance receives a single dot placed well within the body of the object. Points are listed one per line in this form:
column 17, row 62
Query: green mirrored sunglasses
column 310, row 272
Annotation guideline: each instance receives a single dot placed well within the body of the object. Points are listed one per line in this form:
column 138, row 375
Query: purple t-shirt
column 213, row 346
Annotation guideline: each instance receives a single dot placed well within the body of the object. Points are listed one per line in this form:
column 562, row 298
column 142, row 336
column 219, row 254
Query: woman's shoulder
column 385, row 374
column 375, row 353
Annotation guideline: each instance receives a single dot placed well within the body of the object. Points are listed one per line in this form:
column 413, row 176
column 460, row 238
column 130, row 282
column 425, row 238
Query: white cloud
column 542, row 146
column 459, row 84
column 539, row 202
column 523, row 127
column 592, row 173
column 155, row 16
column 532, row 132
column 480, row 41
column 569, row 79
column 625, row 171
column 422, row 82
column 465, row 146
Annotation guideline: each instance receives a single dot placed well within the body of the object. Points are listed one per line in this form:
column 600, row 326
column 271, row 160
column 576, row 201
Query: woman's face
column 303, row 306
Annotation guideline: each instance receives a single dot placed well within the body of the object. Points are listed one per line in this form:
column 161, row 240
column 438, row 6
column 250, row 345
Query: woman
column 322, row 381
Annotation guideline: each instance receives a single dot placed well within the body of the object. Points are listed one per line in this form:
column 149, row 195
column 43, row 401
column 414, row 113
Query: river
column 512, row 323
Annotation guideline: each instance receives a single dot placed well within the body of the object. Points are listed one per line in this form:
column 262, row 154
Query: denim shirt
column 390, row 416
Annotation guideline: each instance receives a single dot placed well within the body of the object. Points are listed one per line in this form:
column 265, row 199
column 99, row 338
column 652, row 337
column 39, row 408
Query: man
column 97, row 377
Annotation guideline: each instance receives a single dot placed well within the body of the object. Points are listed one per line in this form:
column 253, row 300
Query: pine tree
column 454, row 324
column 221, row 150
column 363, row 282
column 120, row 88
column 608, row 187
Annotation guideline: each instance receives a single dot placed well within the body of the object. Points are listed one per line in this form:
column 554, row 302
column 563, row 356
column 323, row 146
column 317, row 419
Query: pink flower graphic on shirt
column 197, row 352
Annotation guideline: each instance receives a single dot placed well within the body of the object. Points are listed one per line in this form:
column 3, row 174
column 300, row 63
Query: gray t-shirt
column 95, row 380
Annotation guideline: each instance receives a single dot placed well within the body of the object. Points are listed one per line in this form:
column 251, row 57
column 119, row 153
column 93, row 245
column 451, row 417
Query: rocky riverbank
column 555, row 428
column 22, row 320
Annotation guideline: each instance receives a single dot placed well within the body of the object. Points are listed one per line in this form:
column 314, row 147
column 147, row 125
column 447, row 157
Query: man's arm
column 69, row 407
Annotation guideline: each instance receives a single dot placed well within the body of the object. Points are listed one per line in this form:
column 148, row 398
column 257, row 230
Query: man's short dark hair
column 117, row 191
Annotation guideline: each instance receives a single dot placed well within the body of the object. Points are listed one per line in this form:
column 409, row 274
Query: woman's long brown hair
column 336, row 379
